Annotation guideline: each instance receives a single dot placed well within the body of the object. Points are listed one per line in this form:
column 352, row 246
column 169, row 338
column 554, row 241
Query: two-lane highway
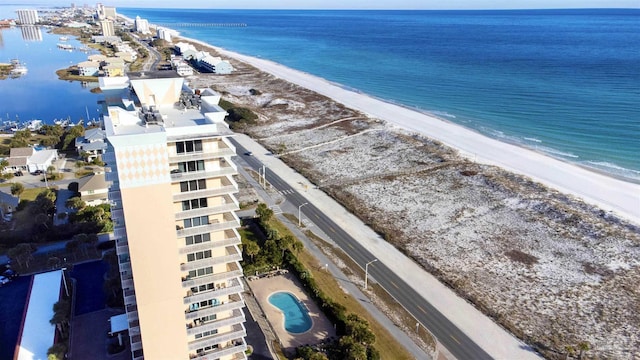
column 454, row 340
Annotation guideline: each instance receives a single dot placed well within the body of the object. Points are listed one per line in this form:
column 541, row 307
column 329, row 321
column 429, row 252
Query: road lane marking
column 454, row 339
column 421, row 309
column 395, row 285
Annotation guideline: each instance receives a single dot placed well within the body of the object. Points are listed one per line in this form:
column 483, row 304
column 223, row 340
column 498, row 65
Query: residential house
column 88, row 68
column 92, row 144
column 93, row 189
column 113, row 70
column 28, row 159
column 8, row 204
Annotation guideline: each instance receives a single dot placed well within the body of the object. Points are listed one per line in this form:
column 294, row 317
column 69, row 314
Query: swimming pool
column 296, row 316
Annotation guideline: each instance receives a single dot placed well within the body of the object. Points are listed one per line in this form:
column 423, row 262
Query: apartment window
column 189, row 146
column 201, row 288
column 194, row 204
column 199, row 255
column 197, row 239
column 190, row 166
column 193, row 185
column 196, row 221
column 200, row 272
column 207, row 333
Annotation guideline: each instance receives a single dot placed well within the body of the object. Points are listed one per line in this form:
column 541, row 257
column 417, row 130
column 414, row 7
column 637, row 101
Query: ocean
column 563, row 82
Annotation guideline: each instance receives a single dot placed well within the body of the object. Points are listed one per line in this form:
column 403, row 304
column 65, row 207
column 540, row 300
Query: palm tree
column 72, row 247
column 251, row 248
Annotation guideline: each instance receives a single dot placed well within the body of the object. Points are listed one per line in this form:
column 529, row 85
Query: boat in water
column 18, row 68
column 63, row 38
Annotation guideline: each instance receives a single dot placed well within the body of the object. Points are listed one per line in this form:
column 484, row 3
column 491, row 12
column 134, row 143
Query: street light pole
column 300, row 214
column 366, row 272
column 64, row 280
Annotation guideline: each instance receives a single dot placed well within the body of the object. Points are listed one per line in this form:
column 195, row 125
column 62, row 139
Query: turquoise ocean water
column 564, row 82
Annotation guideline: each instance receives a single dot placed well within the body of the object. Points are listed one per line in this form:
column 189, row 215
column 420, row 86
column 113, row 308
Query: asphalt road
column 449, row 336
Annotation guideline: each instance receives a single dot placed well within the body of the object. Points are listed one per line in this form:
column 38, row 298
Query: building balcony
column 228, row 169
column 122, row 246
column 237, row 332
column 232, row 254
column 125, row 268
column 235, row 303
column 237, row 317
column 230, row 205
column 109, row 157
column 111, row 176
column 230, row 221
column 127, row 283
column 119, row 231
column 235, row 347
column 227, row 241
column 224, row 190
column 232, row 287
column 130, row 300
column 132, row 316
column 114, row 196
column 203, row 155
column 231, row 274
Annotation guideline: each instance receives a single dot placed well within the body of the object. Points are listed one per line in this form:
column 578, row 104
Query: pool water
column 296, row 316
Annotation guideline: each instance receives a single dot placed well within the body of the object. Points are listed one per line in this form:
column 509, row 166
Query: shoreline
column 592, row 186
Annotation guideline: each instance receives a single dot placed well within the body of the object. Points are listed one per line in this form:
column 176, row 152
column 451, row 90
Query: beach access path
column 610, row 194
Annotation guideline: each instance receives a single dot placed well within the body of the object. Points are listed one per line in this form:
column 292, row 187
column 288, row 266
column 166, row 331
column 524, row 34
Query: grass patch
column 83, row 172
column 385, row 343
column 30, row 194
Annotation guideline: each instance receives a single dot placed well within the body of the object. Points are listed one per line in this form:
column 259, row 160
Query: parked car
column 18, row 173
column 3, row 280
column 10, row 274
column 37, row 172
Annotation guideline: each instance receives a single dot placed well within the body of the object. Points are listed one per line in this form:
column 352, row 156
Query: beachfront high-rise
column 174, row 217
column 107, row 28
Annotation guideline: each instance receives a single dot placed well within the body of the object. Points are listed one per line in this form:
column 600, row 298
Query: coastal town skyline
column 373, row 5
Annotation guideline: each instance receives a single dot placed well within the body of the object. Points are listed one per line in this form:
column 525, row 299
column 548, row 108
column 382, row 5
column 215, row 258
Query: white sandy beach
column 610, row 194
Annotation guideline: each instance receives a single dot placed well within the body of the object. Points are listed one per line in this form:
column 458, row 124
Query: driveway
column 61, row 208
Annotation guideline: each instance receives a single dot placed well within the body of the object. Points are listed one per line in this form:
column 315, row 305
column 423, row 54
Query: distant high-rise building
column 105, row 12
column 110, row 12
column 173, row 208
column 107, row 28
column 27, row 16
column 141, row 25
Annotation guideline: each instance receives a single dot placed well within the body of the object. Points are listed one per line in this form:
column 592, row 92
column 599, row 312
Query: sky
column 344, row 4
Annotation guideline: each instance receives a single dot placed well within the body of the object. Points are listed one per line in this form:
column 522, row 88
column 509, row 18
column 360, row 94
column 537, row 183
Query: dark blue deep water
column 566, row 82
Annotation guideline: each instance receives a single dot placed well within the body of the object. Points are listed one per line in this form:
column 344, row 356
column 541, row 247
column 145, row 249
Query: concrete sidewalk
column 495, row 340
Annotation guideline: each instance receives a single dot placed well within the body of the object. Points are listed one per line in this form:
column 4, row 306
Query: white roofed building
column 141, row 25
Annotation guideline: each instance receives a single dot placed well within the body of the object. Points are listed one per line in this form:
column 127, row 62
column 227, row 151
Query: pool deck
column 321, row 329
